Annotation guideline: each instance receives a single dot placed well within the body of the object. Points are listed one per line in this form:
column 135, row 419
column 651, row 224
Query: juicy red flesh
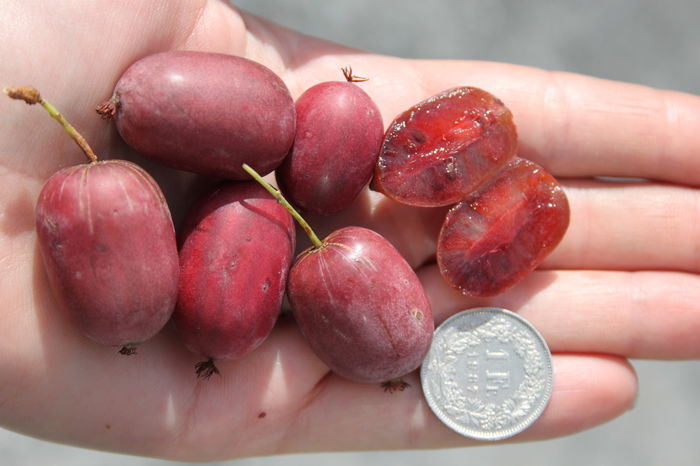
column 361, row 306
column 499, row 234
column 440, row 150
column 108, row 244
column 339, row 132
column 236, row 249
column 205, row 112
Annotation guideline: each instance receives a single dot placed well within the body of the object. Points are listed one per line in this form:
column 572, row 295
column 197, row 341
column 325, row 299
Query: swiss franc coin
column 488, row 374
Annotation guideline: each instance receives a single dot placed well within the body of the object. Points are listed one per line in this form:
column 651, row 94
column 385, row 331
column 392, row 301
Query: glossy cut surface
column 497, row 236
column 205, row 112
column 339, row 132
column 440, row 150
column 361, row 306
column 236, row 249
column 108, row 244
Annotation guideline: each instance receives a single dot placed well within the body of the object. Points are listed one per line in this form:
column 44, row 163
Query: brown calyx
column 206, row 369
column 108, row 108
column 395, row 385
column 351, row 78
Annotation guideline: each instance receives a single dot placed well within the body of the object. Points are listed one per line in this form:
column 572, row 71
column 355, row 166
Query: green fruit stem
column 31, row 96
column 277, row 195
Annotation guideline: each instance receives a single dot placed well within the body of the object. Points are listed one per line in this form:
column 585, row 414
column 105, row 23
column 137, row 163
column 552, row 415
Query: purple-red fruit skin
column 236, row 249
column 361, row 306
column 441, row 149
column 497, row 236
column 339, row 133
column 109, row 249
column 205, row 112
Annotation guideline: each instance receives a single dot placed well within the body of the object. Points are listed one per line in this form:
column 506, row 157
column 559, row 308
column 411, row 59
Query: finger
column 630, row 226
column 577, row 126
column 652, row 315
column 614, row 226
column 587, row 391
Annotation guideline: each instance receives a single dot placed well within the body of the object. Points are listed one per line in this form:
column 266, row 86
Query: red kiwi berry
column 108, row 244
column 204, row 112
column 237, row 245
column 338, row 135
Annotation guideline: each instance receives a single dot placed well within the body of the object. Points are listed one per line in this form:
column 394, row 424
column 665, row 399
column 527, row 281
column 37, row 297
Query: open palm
column 623, row 283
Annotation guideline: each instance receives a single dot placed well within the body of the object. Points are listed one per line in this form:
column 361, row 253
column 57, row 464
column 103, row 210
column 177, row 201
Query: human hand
column 622, row 284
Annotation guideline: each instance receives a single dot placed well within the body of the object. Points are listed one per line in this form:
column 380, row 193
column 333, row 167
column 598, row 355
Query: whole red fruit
column 339, row 132
column 205, row 112
column 108, row 244
column 236, row 250
column 361, row 307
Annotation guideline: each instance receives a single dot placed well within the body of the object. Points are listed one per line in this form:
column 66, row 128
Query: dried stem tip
column 31, row 96
column 27, row 93
column 351, row 78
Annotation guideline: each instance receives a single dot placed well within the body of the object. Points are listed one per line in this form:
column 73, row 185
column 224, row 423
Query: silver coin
column 488, row 374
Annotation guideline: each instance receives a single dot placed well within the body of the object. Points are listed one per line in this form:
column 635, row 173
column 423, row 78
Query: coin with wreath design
column 488, row 374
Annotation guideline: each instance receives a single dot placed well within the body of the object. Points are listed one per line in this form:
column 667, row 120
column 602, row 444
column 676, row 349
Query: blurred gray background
column 642, row 41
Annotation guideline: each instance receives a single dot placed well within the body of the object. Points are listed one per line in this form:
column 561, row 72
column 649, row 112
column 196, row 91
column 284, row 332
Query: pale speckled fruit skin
column 339, row 133
column 206, row 113
column 361, row 307
column 236, row 249
column 109, row 249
